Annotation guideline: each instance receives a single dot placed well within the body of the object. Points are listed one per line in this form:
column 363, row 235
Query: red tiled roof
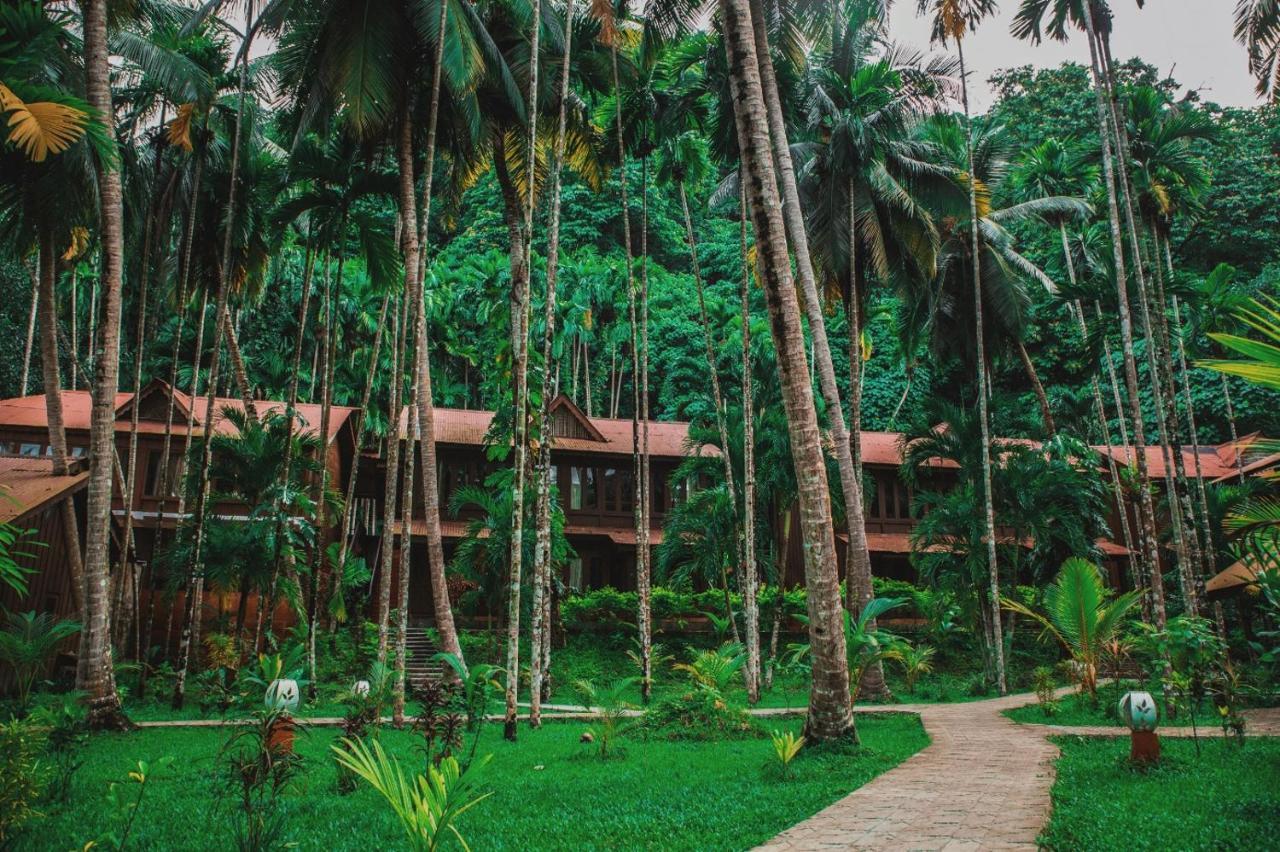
column 30, row 412
column 1212, row 465
column 26, row 484
column 468, row 427
column 458, row 529
column 883, row 542
column 1110, row 548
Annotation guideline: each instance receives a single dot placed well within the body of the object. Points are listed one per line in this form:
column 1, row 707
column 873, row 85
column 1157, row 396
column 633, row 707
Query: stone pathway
column 982, row 783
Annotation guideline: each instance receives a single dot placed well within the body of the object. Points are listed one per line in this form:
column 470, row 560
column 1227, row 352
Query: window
column 575, row 575
column 658, row 484
column 627, row 486
column 154, row 472
column 33, row 450
column 875, row 509
column 610, row 486
column 582, row 488
column 8, row 448
column 902, row 503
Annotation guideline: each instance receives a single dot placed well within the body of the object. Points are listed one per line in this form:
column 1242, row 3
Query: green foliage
column 22, row 777
column 1224, row 799
column 610, row 705
column 124, row 802
column 713, row 796
column 1046, row 687
column 786, row 745
column 13, row 573
column 914, row 660
column 429, row 806
column 27, row 643
column 1080, row 615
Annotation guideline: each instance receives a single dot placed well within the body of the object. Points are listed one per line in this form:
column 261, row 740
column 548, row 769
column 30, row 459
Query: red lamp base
column 1144, row 747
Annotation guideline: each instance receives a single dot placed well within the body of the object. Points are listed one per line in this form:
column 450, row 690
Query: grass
column 1227, row 798
column 549, row 791
column 1078, row 710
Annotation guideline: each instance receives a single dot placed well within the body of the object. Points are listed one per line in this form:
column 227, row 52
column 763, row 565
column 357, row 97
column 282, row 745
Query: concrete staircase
column 421, row 664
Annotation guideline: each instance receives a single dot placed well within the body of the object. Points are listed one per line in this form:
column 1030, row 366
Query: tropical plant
column 610, row 706
column 257, row 770
column 12, row 572
column 428, row 806
column 27, row 643
column 1081, row 615
column 22, row 777
column 915, row 660
column 124, row 805
column 786, row 745
column 1046, row 689
column 714, row 669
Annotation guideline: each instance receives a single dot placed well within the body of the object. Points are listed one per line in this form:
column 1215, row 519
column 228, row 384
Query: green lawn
column 1227, row 798
column 1076, row 710
column 549, row 791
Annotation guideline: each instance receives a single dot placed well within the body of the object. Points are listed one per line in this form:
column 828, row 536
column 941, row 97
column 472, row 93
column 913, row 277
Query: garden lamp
column 1139, row 712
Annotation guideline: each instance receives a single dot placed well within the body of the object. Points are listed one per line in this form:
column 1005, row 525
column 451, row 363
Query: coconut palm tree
column 952, row 21
column 1034, row 19
column 830, row 712
column 1080, row 615
column 1258, row 29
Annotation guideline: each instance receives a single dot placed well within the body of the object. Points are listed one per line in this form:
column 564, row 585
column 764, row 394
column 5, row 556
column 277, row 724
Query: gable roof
column 77, row 407
column 27, row 485
column 467, row 427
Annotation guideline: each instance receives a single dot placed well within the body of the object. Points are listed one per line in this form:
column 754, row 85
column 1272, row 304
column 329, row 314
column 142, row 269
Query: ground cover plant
column 1223, row 799
column 658, row 794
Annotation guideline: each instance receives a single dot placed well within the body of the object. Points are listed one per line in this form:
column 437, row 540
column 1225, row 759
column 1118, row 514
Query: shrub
column 27, row 643
column 699, row 714
column 1046, row 690
column 22, row 777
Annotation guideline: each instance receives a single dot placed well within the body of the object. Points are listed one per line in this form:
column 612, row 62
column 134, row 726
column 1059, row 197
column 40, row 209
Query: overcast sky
column 1190, row 37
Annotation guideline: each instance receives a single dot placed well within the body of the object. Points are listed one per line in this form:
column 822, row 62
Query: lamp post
column 1138, row 710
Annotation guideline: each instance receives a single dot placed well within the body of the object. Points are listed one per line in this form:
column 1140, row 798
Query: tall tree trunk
column 104, row 702
column 1146, row 513
column 238, row 372
column 858, row 586
column 1046, row 414
column 644, row 500
column 406, row 553
column 542, row 549
column 398, row 360
column 442, row 608
column 984, row 415
column 722, row 427
column 33, row 268
column 268, row 607
column 830, row 709
column 349, row 500
column 750, row 572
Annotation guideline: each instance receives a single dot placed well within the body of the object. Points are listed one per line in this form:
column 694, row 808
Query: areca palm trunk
column 33, row 269
column 267, row 608
column 751, row 670
column 1100, row 410
column 406, row 554
column 1046, row 413
column 400, row 324
column 642, row 615
column 46, row 278
column 750, row 573
column 830, row 713
column 643, row 500
column 540, row 627
column 442, row 607
column 1146, row 509
column 104, row 702
column 858, row 573
column 238, row 371
column 984, row 415
column 521, row 245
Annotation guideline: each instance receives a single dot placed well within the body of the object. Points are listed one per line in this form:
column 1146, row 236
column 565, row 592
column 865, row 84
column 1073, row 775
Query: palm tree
column 952, row 21
column 1079, row 615
column 1258, row 29
column 830, row 713
column 1093, row 16
column 863, row 101
column 104, row 702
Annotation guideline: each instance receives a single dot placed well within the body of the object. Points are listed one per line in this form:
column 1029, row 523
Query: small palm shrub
column 1046, row 689
column 610, row 705
column 915, row 660
column 27, row 643
column 703, row 711
column 429, row 805
column 786, row 745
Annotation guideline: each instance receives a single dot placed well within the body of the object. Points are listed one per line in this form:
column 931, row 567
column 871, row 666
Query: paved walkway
column 982, row 783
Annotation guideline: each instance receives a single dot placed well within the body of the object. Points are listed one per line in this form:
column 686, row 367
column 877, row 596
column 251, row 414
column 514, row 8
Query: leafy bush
column 27, row 643
column 22, row 777
column 608, row 607
column 699, row 714
column 1046, row 690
